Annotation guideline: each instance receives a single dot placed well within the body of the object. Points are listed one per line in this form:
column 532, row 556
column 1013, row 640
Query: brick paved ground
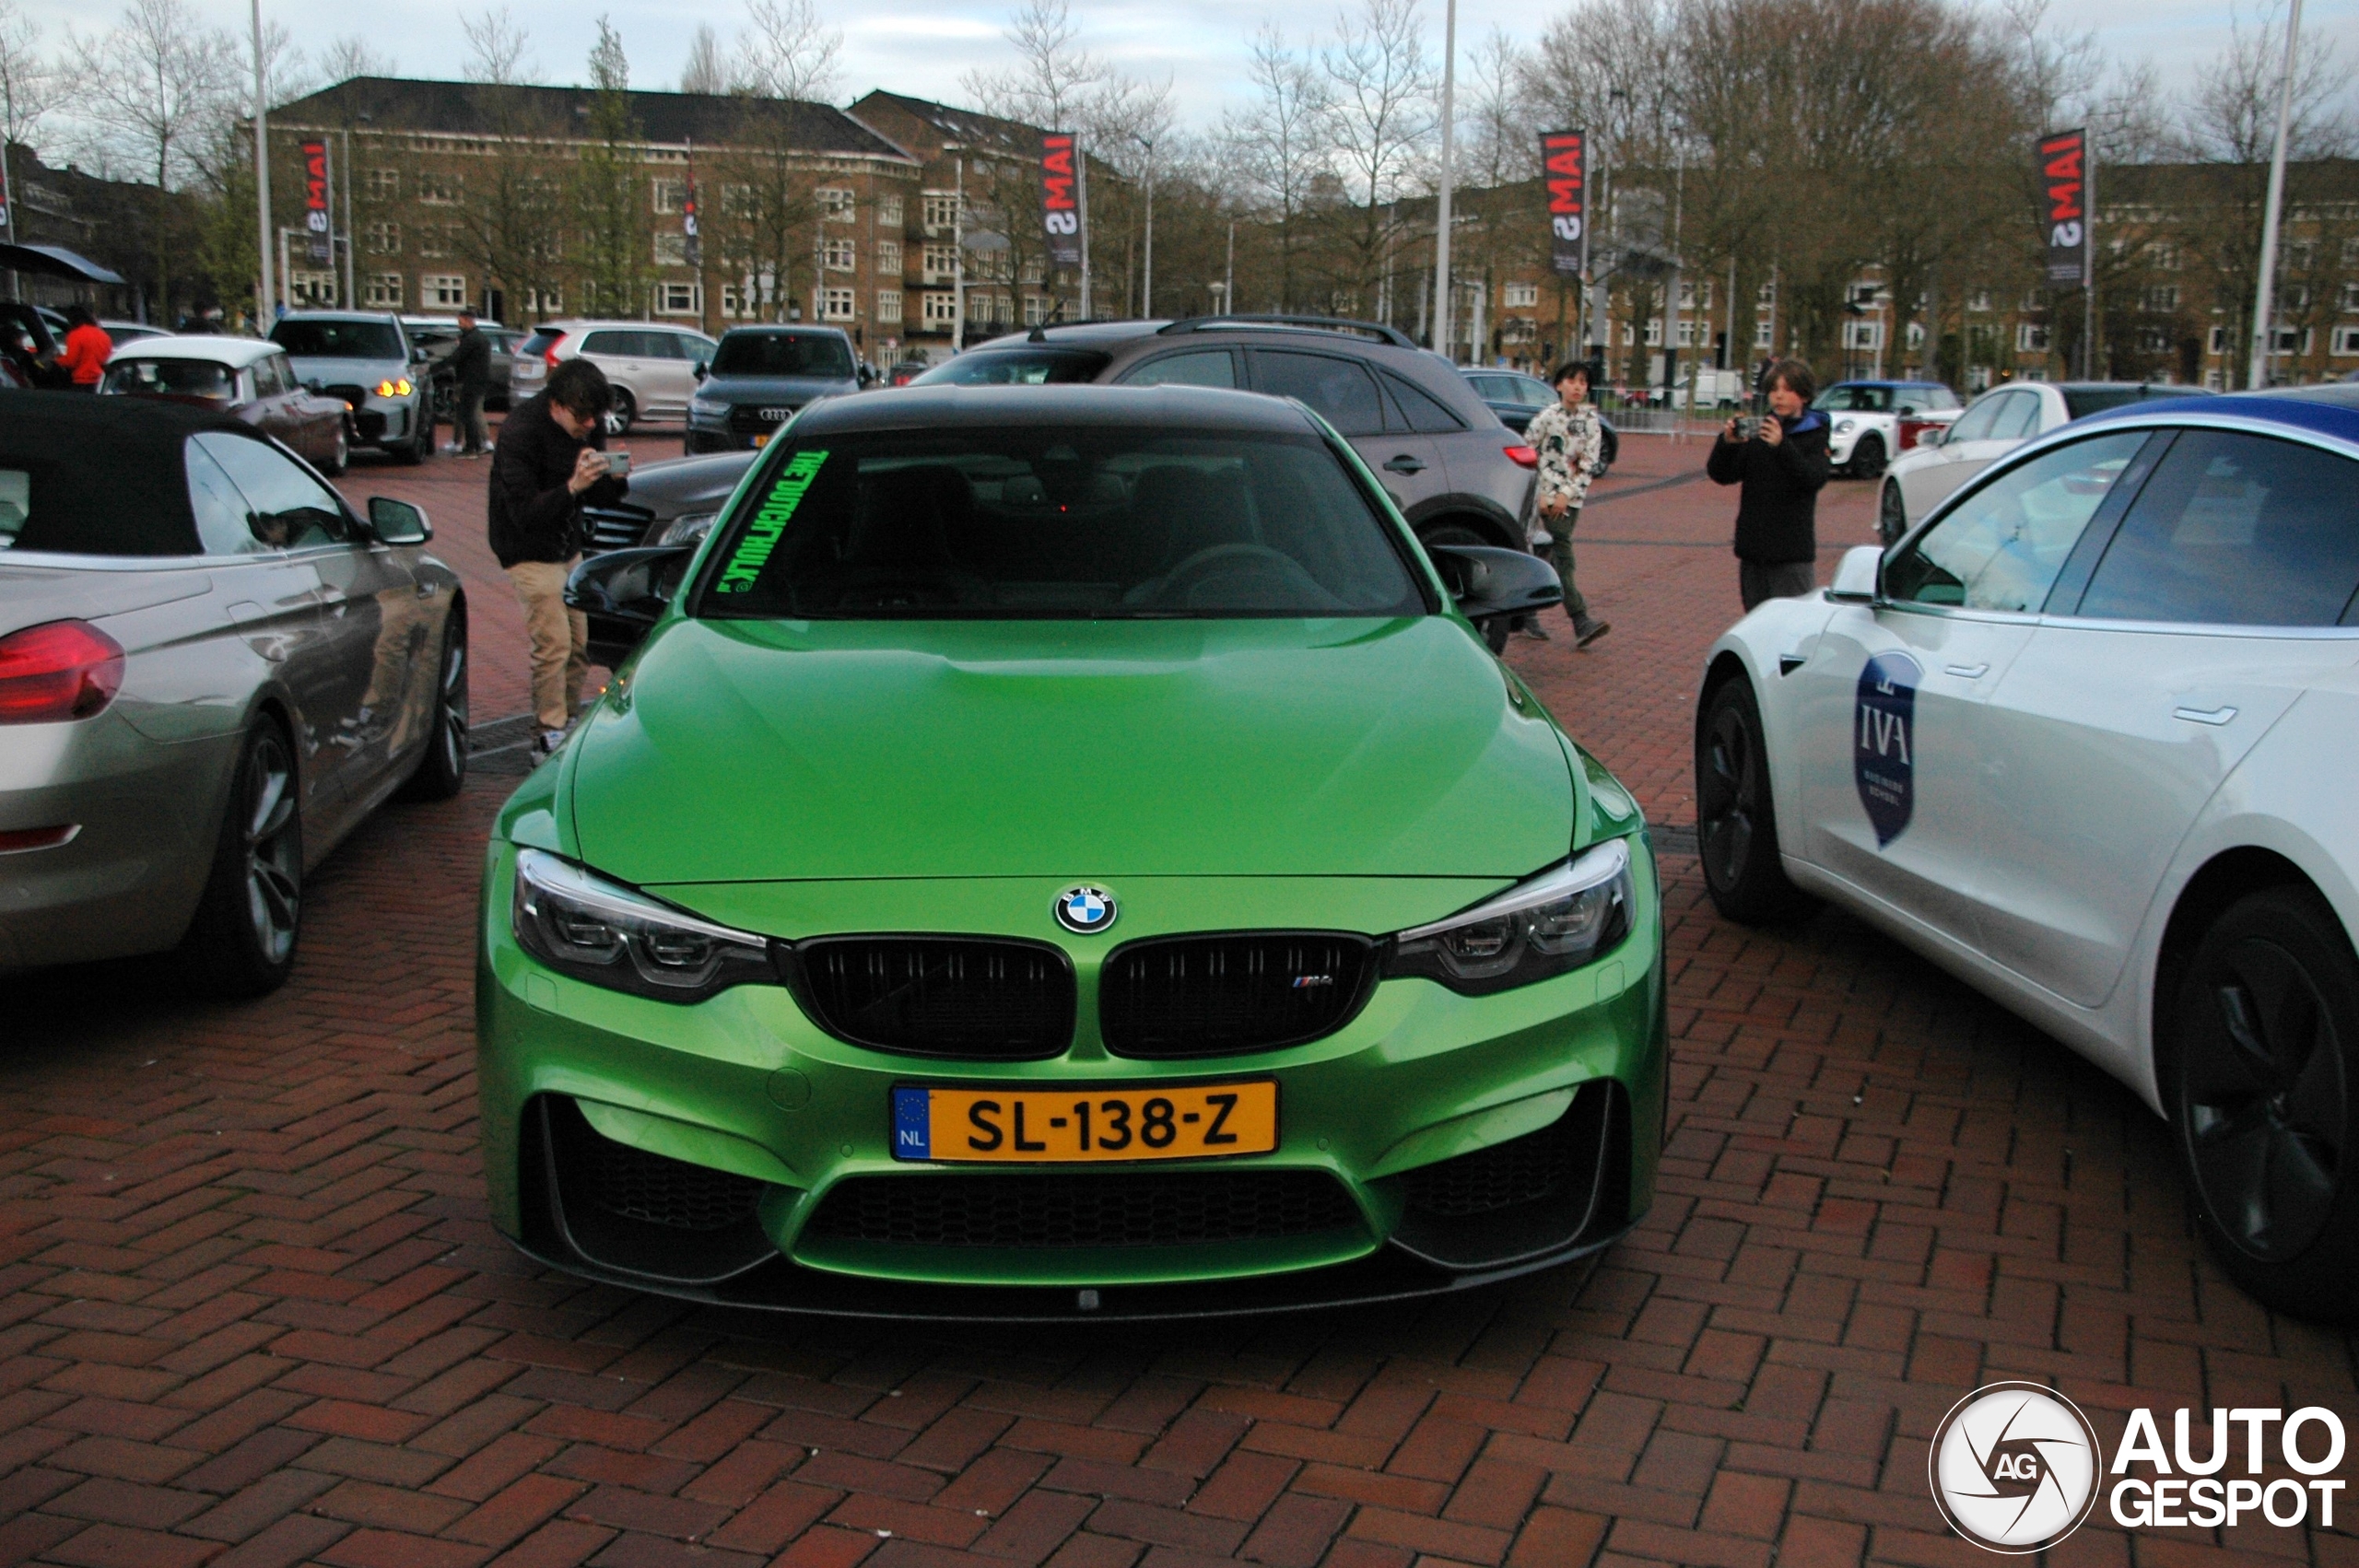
column 250, row 1313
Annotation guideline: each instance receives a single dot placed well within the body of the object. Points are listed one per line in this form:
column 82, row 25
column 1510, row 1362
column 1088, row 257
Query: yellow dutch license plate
column 762, row 440
column 1075, row 1125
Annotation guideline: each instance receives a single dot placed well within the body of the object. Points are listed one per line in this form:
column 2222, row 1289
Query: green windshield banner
column 762, row 534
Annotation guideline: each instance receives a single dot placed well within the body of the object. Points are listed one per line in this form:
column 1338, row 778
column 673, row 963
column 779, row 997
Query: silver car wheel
column 273, row 851
column 453, row 739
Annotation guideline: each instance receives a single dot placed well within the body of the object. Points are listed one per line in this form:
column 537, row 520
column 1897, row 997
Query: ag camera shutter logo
column 2015, row 1467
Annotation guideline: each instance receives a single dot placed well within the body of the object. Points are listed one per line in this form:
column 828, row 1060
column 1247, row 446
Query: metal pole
column 958, row 259
column 8, row 188
column 1228, row 278
column 1671, row 300
column 1081, row 179
column 2263, row 306
column 1147, row 289
column 1443, row 316
column 269, row 294
column 2089, row 263
column 351, row 298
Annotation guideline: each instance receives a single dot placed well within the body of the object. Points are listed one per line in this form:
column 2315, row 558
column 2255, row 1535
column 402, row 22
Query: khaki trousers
column 560, row 639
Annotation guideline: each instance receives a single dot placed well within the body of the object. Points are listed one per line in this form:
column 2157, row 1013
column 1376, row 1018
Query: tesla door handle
column 2203, row 715
column 1404, row 463
column 1967, row 671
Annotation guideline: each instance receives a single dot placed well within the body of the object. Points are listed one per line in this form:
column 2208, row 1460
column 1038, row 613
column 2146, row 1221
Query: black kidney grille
column 940, row 996
column 664, row 1191
column 1097, row 1209
column 1198, row 995
column 1521, row 1170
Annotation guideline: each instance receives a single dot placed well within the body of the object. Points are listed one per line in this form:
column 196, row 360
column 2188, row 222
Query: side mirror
column 1856, row 576
column 623, row 593
column 419, row 356
column 703, row 368
column 398, row 522
column 1489, row 583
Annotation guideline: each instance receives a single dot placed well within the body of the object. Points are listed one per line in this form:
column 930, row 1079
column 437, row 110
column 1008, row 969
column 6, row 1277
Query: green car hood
column 745, row 750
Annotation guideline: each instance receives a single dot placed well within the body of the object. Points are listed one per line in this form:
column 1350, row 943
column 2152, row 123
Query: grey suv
column 760, row 377
column 367, row 359
column 1459, row 476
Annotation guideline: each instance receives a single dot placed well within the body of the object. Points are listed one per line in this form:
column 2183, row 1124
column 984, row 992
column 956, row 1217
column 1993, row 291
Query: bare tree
column 353, row 55
column 1384, row 92
column 705, row 72
column 786, row 52
column 29, row 84
column 1277, row 145
column 153, row 82
column 1053, row 79
column 496, row 46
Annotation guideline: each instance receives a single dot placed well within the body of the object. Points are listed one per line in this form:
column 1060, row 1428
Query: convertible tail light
column 1523, row 457
column 59, row 670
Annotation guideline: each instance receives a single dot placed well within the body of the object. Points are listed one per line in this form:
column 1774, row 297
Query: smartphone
column 617, row 465
column 1747, row 427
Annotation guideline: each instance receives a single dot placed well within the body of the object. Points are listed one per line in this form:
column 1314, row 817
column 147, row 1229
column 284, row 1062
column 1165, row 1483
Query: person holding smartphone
column 549, row 462
column 1780, row 459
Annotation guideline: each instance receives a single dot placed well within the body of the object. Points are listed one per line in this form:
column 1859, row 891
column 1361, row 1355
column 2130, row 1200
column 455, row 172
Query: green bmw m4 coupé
column 1065, row 853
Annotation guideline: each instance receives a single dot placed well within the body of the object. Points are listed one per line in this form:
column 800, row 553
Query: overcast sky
column 923, row 46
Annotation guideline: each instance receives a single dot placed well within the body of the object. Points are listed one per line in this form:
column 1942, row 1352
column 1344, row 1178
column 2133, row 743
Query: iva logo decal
column 2014, row 1466
column 1883, row 742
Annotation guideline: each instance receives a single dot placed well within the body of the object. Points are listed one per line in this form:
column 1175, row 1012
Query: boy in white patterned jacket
column 1567, row 439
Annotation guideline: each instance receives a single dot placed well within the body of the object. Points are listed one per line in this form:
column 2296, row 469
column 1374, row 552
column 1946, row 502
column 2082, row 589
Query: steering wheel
column 1205, row 562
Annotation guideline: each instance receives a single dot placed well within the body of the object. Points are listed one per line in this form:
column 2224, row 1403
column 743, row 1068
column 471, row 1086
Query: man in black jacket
column 1782, row 467
column 549, row 465
column 470, row 384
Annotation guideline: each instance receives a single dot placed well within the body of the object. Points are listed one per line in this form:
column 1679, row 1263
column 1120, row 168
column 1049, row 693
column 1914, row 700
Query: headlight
column 689, row 529
column 1544, row 925
column 707, row 407
column 397, row 387
column 580, row 924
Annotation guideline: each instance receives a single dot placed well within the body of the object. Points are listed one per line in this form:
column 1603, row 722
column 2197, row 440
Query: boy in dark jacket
column 1783, row 468
column 549, row 463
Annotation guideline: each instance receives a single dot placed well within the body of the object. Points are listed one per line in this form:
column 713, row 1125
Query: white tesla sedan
column 2086, row 737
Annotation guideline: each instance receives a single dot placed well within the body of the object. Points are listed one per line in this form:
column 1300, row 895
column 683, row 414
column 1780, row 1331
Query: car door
column 1343, row 392
column 1926, row 486
column 623, row 356
column 355, row 679
column 2210, row 610
column 1900, row 807
column 1185, row 368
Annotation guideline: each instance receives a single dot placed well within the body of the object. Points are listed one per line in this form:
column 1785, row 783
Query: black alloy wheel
column 1736, row 816
column 241, row 943
column 443, row 768
column 622, row 412
column 1867, row 458
column 2266, row 1020
column 1892, row 516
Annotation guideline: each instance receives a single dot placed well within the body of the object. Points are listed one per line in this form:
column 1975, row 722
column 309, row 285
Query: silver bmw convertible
column 211, row 670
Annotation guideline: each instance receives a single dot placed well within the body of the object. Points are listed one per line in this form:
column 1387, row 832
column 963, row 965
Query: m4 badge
column 1883, row 742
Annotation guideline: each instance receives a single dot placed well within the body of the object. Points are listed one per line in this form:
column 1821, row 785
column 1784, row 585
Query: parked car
column 1409, row 414
column 1369, row 1004
column 2082, row 738
column 760, row 377
column 1516, row 397
column 1990, row 426
column 1869, row 422
column 652, row 368
column 672, row 502
column 29, row 346
column 131, row 332
column 368, row 361
column 240, row 377
column 440, row 334
column 212, row 668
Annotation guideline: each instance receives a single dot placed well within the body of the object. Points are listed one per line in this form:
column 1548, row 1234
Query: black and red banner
column 1564, row 157
column 315, row 199
column 1060, row 200
column 2064, row 207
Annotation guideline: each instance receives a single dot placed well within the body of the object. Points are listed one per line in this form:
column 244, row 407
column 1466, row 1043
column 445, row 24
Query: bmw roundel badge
column 1084, row 909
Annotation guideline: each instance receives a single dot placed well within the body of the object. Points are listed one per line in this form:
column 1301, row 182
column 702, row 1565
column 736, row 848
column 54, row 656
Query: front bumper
column 743, row 1094
column 724, row 431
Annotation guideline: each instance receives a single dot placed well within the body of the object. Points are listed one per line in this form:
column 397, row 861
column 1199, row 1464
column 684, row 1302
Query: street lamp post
column 262, row 181
column 1441, row 202
column 2263, row 304
column 1146, row 301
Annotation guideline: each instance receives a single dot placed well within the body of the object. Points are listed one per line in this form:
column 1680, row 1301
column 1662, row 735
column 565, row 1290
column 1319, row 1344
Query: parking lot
column 254, row 1313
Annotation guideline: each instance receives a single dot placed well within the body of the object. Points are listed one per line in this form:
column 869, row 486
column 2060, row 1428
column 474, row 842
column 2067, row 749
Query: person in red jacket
column 87, row 349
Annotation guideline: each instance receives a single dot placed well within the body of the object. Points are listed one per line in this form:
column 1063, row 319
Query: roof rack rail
column 1377, row 330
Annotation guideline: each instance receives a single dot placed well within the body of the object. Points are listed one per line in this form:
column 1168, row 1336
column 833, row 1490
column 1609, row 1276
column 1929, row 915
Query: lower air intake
column 663, row 1192
column 1173, row 1208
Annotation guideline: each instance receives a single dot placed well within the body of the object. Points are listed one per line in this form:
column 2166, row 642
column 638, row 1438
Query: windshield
column 339, row 340
column 1016, row 367
column 2081, row 401
column 1061, row 524
column 1854, row 400
column 783, row 354
column 172, row 378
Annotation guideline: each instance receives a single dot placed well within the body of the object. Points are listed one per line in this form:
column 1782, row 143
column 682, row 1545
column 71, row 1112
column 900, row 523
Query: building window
column 2219, row 341
column 1761, row 330
column 2292, row 340
column 383, row 292
column 384, row 239
column 1520, row 296
column 888, row 210
column 2163, row 258
column 1519, row 329
column 1693, row 296
column 447, row 290
column 889, row 258
column 311, row 287
column 1035, row 270
column 839, row 255
column 888, row 307
column 679, row 299
column 670, row 249
column 669, row 195
column 2154, row 340
column 2162, row 298
column 2345, row 342
column 1036, row 309
column 382, row 184
column 1768, row 295
column 2030, row 338
column 941, row 263
column 1688, row 331
column 1654, row 332
column 835, row 204
column 940, row 209
column 1863, row 334
column 543, row 302
column 2213, row 381
column 940, row 310
column 835, row 305
column 1979, row 299
column 433, row 241
column 440, row 190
